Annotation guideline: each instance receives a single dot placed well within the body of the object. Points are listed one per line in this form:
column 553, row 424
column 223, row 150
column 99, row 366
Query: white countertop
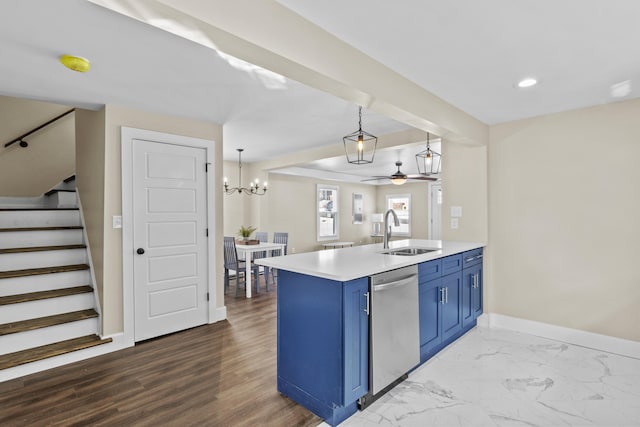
column 360, row 261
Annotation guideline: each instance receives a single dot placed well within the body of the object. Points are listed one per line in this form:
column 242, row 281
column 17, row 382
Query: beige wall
column 419, row 192
column 99, row 221
column 290, row 206
column 90, row 177
column 51, row 150
column 563, row 231
column 464, row 184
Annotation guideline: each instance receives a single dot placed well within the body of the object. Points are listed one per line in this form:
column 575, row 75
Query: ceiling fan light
column 398, row 180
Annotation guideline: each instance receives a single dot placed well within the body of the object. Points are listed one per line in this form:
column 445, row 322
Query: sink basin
column 409, row 251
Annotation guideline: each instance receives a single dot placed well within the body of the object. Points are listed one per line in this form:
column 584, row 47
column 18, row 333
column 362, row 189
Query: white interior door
column 170, row 238
column 435, row 224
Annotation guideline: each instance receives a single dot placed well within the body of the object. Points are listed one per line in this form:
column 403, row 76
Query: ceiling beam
column 267, row 34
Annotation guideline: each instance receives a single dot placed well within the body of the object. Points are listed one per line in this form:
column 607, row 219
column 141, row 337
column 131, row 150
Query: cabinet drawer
column 451, row 264
column 429, row 270
column 472, row 257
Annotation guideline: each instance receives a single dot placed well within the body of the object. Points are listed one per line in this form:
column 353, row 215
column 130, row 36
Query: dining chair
column 263, row 236
column 279, row 237
column 231, row 262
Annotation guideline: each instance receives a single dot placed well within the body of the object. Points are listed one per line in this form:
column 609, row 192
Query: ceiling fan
column 399, row 178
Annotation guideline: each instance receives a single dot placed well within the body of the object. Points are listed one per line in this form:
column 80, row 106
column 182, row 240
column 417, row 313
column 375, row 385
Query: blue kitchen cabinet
column 471, row 286
column 452, row 306
column 430, row 303
column 323, row 343
column 440, row 304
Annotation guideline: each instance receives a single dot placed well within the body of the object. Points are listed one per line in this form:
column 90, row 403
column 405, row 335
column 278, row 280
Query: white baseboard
column 559, row 333
column 219, row 314
column 118, row 343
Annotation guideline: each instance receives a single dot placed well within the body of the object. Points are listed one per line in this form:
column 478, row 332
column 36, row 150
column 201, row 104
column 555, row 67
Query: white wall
column 563, row 226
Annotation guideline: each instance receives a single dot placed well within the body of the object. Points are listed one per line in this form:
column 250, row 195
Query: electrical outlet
column 117, row 221
column 293, row 250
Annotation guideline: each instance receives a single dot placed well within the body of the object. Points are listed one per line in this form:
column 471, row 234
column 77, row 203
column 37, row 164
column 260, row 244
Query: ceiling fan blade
column 375, row 178
column 422, row 177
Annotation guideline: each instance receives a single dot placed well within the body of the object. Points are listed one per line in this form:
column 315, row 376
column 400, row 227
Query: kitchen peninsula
column 324, row 301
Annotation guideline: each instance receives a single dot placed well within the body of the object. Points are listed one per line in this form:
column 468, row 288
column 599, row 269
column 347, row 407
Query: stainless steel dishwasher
column 395, row 333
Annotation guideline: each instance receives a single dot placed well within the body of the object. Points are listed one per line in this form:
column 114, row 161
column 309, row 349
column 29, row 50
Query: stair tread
column 43, row 322
column 36, row 296
column 57, row 227
column 42, row 270
column 50, row 350
column 59, row 190
column 41, row 248
column 38, row 209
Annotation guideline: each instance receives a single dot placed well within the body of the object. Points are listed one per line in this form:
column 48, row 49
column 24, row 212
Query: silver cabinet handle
column 473, row 282
column 446, row 295
column 469, row 259
column 478, row 256
column 441, row 295
column 366, row 308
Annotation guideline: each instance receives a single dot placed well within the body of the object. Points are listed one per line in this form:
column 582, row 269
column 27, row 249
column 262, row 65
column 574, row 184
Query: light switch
column 456, row 211
column 454, row 223
column 117, row 221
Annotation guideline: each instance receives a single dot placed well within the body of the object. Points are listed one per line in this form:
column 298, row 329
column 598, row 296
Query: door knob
column 140, row 251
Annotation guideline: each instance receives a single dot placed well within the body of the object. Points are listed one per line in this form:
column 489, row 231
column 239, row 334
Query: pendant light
column 428, row 161
column 360, row 146
column 253, row 187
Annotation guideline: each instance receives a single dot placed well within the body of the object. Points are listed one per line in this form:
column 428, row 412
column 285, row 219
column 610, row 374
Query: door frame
column 431, row 209
column 128, row 302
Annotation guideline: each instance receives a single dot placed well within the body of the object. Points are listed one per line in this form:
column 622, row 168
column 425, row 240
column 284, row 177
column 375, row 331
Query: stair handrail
column 21, row 137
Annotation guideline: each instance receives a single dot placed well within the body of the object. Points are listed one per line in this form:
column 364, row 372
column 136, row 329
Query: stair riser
column 26, row 260
column 44, row 282
column 63, row 200
column 30, row 339
column 46, row 307
column 14, row 219
column 25, row 239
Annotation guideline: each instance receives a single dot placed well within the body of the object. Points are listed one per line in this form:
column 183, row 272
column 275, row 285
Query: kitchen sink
column 409, row 251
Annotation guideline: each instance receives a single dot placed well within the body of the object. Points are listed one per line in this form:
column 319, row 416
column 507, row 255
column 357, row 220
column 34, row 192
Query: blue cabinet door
column 468, row 288
column 476, row 301
column 356, row 340
column 430, row 302
column 451, row 309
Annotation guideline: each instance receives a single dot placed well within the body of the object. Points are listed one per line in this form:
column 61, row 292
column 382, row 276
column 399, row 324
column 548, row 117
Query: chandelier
column 253, row 187
column 428, row 161
column 360, row 146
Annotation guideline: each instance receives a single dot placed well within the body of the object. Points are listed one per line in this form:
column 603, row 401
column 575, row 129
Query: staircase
column 47, row 305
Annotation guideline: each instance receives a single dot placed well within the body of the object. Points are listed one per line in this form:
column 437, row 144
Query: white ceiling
column 469, row 53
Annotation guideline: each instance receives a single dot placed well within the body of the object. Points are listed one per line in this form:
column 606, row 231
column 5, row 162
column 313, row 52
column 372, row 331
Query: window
column 401, row 205
column 327, row 212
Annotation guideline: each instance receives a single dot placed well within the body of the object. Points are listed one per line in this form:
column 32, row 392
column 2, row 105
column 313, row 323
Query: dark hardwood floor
column 222, row 374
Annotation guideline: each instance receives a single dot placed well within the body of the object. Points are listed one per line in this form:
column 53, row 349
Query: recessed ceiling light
column 528, row 82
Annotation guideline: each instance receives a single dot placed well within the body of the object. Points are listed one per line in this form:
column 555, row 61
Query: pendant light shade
column 428, row 161
column 360, row 146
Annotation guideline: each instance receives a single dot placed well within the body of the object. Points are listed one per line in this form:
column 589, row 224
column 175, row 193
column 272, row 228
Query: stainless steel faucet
column 387, row 227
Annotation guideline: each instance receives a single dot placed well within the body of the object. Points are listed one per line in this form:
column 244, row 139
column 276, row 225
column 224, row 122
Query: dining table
column 249, row 250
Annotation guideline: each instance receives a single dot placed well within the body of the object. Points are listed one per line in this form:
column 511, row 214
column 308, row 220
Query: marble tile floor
column 493, row 377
